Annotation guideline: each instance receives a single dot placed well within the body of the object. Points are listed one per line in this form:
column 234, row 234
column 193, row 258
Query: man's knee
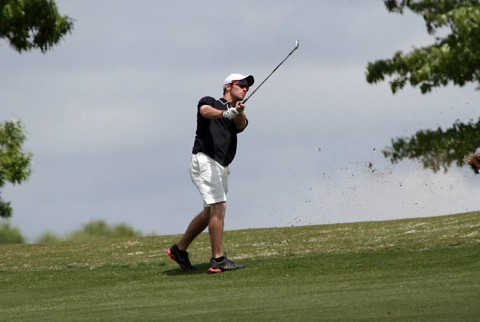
column 218, row 209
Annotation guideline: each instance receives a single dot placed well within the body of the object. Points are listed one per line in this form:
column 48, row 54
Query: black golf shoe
column 223, row 265
column 181, row 257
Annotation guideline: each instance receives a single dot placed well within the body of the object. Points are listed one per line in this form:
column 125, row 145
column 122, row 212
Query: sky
column 110, row 115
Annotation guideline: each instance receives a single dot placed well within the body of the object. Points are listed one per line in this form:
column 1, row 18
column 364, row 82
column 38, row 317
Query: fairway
column 424, row 269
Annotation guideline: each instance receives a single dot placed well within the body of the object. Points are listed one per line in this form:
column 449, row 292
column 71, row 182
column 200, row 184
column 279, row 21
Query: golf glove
column 230, row 113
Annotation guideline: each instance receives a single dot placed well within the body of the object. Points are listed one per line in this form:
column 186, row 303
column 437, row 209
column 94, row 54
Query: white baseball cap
column 236, row 77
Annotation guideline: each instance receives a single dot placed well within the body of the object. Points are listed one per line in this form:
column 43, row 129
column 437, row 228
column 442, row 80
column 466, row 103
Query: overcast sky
column 111, row 115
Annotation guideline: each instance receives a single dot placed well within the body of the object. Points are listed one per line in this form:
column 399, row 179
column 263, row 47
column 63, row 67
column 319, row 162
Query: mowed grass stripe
column 440, row 284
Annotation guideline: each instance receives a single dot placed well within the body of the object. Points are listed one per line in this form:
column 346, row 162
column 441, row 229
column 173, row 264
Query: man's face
column 238, row 89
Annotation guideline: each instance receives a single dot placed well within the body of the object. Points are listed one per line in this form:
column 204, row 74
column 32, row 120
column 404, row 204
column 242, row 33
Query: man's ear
column 226, row 88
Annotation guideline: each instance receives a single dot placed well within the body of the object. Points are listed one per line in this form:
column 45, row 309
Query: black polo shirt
column 216, row 138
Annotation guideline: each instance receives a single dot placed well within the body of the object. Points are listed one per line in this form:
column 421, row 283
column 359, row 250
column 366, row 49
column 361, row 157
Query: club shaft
column 273, row 71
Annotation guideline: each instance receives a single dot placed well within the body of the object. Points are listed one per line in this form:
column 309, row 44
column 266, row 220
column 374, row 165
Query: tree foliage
column 438, row 149
column 454, row 58
column 32, row 24
column 15, row 164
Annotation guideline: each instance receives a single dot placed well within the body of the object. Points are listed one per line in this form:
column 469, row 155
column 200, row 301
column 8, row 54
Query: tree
column 32, row 24
column 452, row 59
column 14, row 162
column 27, row 25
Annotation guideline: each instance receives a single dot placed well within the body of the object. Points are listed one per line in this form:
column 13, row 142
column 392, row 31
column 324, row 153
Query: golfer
column 218, row 123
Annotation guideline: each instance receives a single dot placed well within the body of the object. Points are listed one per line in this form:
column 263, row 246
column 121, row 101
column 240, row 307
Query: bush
column 10, row 235
column 98, row 229
column 48, row 237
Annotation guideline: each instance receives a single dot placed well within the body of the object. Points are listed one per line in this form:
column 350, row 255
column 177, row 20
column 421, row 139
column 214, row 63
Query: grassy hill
column 425, row 269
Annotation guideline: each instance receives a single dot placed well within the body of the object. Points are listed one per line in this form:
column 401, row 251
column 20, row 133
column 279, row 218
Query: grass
column 425, row 269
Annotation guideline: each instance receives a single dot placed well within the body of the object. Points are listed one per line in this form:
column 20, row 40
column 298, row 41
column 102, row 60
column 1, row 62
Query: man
column 218, row 123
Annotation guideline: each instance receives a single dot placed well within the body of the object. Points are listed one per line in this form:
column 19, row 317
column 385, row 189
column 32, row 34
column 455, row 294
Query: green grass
column 425, row 269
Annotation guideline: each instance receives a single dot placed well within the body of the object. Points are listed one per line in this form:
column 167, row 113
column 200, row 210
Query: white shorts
column 210, row 178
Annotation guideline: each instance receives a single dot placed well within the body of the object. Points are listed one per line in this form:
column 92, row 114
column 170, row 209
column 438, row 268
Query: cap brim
column 250, row 80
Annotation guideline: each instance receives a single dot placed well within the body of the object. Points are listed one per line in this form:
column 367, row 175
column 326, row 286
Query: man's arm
column 210, row 112
column 241, row 119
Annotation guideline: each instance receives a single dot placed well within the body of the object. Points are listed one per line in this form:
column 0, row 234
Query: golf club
column 256, row 89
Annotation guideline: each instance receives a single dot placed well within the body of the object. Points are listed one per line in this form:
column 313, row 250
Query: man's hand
column 240, row 107
column 230, row 113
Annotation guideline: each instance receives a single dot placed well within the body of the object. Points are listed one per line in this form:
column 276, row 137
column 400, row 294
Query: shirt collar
column 224, row 101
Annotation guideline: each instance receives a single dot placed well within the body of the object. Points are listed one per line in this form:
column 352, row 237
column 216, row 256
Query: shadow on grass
column 200, row 269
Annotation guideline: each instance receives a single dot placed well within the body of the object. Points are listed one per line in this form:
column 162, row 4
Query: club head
column 297, row 43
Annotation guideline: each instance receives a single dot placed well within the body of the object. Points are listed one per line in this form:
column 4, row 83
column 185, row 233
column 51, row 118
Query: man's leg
column 178, row 252
column 215, row 228
column 219, row 262
column 196, row 226
column 213, row 217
